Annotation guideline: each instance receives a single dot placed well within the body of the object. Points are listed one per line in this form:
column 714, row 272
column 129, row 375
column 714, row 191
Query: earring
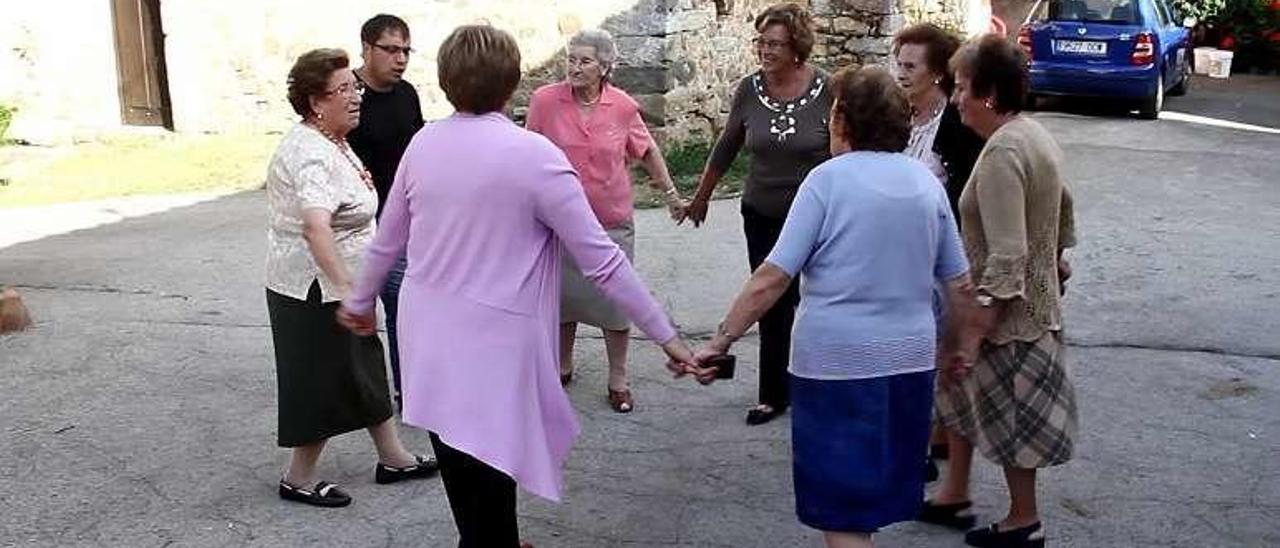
column 320, row 115
column 937, row 81
column 988, row 104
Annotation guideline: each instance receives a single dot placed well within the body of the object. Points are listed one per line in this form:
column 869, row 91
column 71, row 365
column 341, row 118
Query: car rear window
column 1093, row 11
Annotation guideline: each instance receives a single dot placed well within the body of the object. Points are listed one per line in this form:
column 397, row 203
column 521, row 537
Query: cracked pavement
column 140, row 411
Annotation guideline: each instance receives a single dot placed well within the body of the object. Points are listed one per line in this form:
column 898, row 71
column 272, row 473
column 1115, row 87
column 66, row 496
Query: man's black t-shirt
column 388, row 120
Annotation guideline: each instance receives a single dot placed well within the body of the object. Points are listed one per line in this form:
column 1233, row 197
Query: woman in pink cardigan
column 483, row 209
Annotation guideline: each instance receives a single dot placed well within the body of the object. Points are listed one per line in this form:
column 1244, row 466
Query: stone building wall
column 682, row 59
column 860, row 32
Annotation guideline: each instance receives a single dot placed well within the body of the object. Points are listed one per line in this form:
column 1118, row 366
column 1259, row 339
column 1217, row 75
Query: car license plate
column 1083, row 47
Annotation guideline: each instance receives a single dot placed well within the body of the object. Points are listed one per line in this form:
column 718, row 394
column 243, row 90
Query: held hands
column 678, row 210
column 360, row 324
column 676, row 205
column 697, row 211
column 682, row 362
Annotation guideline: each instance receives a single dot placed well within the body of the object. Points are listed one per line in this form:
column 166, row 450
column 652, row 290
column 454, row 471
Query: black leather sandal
column 324, row 494
column 1031, row 536
column 956, row 515
column 425, row 468
column 761, row 414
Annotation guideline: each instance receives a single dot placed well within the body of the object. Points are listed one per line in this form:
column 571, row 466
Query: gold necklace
column 346, row 153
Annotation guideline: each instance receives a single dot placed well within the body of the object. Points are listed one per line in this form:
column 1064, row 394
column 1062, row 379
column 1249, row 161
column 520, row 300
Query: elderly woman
column 1017, row 405
column 780, row 114
column 871, row 233
column 938, row 138
column 599, row 128
column 480, row 305
column 322, row 205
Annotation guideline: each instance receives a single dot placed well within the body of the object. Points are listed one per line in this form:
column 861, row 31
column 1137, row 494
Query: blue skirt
column 858, row 449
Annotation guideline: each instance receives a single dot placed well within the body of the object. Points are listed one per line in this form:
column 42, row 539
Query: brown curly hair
column 798, row 23
column 310, row 76
column 873, row 109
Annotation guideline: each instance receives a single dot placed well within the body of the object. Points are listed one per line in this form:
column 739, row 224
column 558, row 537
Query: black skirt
column 330, row 380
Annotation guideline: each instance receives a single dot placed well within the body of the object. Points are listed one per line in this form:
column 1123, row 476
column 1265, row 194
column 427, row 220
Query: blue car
column 1134, row 50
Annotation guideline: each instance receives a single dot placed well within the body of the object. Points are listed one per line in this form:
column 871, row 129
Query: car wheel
column 1150, row 109
column 1184, row 83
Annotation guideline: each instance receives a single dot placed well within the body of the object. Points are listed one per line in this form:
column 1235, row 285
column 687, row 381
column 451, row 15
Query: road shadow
column 1243, row 98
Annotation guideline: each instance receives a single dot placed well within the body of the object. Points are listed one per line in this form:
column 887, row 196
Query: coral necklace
column 346, row 153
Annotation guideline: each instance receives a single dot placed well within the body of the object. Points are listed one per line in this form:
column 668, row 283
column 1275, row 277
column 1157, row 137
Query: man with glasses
column 389, row 116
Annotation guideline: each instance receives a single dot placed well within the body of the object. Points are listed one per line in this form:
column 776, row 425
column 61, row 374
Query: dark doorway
column 144, row 86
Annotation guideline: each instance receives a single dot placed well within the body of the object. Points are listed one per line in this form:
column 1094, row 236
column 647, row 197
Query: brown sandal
column 620, row 400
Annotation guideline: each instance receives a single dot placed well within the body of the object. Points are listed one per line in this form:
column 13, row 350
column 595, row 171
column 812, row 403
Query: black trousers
column 482, row 498
column 775, row 326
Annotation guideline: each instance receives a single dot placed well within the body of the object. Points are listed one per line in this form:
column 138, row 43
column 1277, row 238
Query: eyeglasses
column 349, row 90
column 761, row 43
column 394, row 50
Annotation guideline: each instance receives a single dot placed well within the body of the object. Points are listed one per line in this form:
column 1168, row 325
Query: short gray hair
column 602, row 41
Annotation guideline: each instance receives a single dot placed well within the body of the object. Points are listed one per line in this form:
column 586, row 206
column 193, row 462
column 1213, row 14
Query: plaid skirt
column 1017, row 405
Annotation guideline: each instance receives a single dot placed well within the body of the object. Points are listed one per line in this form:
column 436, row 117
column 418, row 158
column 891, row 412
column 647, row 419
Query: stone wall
column 682, row 58
column 860, row 32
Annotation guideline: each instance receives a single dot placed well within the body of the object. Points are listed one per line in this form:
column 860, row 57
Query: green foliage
column 6, row 116
column 685, row 161
column 1201, row 10
column 1250, row 28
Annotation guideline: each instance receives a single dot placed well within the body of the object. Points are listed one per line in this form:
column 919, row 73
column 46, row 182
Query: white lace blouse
column 310, row 171
column 920, row 146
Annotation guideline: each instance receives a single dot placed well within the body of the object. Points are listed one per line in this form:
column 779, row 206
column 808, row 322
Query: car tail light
column 1144, row 49
column 1024, row 40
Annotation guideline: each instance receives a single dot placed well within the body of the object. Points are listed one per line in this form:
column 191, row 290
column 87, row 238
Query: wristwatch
column 723, row 331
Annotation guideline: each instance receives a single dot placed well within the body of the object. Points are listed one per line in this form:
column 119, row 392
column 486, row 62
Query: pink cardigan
column 482, row 209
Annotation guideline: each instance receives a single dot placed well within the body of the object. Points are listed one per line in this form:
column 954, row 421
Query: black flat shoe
column 762, row 414
column 323, row 494
column 1031, row 536
column 956, row 515
column 425, row 468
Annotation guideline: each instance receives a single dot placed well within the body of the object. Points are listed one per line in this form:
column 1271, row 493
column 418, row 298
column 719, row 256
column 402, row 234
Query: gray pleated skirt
column 580, row 301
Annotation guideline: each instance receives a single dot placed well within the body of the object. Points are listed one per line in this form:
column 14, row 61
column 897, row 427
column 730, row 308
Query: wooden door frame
column 154, row 42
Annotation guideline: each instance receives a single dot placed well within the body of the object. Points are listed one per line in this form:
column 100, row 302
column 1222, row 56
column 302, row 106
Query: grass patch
column 6, row 116
column 134, row 165
column 685, row 161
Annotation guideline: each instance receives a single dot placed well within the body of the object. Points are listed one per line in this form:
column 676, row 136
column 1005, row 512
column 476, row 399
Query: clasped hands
column 360, row 324
column 683, row 361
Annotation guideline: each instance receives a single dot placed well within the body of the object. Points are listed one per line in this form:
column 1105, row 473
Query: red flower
column 1229, row 42
column 1275, row 5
